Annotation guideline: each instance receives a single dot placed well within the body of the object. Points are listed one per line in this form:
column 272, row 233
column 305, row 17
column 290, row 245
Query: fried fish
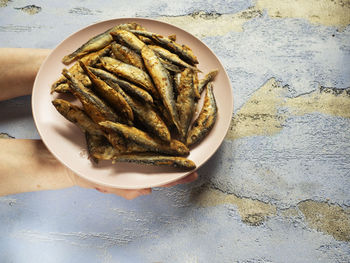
column 113, row 97
column 163, row 83
column 96, row 43
column 145, row 140
column 206, row 119
column 131, row 73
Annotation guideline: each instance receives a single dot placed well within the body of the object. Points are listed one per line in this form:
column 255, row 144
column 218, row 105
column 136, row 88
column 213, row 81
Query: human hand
column 126, row 193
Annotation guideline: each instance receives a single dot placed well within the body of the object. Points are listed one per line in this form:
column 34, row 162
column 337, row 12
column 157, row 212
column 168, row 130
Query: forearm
column 18, row 69
column 27, row 166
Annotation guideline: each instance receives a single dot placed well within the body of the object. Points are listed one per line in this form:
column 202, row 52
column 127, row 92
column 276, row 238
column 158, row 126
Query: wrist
column 18, row 70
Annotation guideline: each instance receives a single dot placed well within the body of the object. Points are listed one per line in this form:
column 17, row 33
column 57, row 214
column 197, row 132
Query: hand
column 126, row 193
column 27, row 166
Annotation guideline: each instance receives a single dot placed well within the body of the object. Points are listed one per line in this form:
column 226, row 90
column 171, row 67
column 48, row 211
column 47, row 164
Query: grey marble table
column 278, row 188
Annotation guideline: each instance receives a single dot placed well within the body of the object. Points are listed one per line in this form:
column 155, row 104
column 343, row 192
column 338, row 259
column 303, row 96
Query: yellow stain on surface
column 252, row 212
column 324, row 12
column 330, row 219
column 3, row 3
column 325, row 101
column 202, row 24
column 259, row 115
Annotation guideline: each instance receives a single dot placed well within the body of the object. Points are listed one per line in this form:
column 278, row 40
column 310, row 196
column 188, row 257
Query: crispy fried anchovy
column 186, row 101
column 166, row 54
column 96, row 43
column 162, row 81
column 113, row 97
column 195, row 83
column 127, row 56
column 206, row 119
column 77, row 116
column 157, row 160
column 146, row 40
column 129, row 88
column 181, row 50
column 121, row 145
column 207, row 78
column 130, row 73
column 145, row 114
column 77, row 72
column 129, row 39
column 97, row 109
column 110, row 145
column 118, row 142
column 145, row 140
column 100, row 149
column 151, row 120
column 94, row 57
column 170, row 66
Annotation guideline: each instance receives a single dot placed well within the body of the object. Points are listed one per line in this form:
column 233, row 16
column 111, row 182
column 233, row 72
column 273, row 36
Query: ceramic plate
column 67, row 143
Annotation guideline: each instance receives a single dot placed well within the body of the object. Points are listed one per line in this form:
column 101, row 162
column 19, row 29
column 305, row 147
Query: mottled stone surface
column 277, row 190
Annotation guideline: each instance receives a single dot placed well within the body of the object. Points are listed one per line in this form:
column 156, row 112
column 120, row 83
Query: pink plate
column 67, row 143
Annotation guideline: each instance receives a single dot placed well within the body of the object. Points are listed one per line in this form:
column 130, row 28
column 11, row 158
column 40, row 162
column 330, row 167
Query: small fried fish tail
column 61, row 88
column 207, row 78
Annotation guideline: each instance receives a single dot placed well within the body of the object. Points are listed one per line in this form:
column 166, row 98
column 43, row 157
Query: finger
column 132, row 194
column 125, row 193
column 188, row 179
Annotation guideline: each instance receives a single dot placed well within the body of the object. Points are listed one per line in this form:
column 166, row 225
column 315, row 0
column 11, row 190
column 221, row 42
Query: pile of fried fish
column 139, row 94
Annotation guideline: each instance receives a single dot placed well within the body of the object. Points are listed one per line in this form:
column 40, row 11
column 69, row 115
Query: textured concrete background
column 277, row 190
